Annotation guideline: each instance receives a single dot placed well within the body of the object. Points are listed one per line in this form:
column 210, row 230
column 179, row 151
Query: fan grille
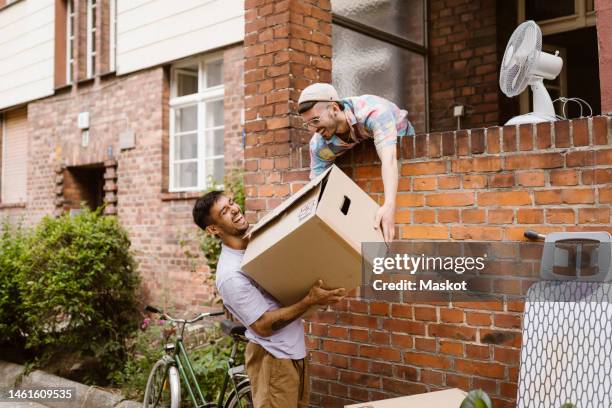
column 520, row 57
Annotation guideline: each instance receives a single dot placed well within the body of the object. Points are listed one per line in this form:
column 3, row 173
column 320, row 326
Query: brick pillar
column 110, row 187
column 287, row 47
column 59, row 191
column 604, row 35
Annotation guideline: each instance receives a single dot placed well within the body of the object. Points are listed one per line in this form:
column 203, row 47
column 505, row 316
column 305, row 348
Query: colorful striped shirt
column 369, row 117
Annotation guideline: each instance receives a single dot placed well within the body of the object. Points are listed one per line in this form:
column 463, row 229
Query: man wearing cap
column 340, row 124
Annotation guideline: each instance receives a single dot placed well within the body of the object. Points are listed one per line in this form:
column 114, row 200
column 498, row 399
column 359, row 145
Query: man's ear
column 212, row 230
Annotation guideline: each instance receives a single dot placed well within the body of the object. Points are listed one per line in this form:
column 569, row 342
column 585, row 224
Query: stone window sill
column 181, row 195
column 12, row 205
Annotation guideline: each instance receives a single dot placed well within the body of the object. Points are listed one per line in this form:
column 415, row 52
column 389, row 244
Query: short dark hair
column 306, row 106
column 202, row 207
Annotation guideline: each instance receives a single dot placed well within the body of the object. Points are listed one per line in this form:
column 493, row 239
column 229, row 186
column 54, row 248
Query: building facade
column 135, row 106
column 143, row 105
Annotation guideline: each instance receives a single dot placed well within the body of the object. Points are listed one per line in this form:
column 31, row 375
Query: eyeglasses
column 314, row 122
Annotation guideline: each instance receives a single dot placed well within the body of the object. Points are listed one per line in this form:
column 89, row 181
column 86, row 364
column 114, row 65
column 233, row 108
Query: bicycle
column 163, row 388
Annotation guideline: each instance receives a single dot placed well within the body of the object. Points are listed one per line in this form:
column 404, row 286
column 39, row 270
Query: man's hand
column 274, row 320
column 385, row 218
column 323, row 297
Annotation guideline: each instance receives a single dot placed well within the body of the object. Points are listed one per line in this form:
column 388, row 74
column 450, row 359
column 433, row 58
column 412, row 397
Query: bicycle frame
column 183, row 363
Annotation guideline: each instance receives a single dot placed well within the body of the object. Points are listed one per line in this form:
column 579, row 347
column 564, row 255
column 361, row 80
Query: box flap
column 287, row 203
column 450, row 398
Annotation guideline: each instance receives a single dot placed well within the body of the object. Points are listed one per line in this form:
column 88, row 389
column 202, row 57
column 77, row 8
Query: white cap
column 319, row 92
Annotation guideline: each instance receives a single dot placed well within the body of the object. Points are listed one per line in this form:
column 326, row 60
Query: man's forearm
column 275, row 320
column 389, row 174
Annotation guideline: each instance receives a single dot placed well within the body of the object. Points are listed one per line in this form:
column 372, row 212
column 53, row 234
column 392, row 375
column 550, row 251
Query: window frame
column 70, row 19
column 199, row 99
column 580, row 19
column 401, row 42
column 92, row 29
column 112, row 46
column 3, row 145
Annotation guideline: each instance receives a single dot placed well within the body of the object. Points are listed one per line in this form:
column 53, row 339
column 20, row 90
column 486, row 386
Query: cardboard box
column 451, row 398
column 315, row 234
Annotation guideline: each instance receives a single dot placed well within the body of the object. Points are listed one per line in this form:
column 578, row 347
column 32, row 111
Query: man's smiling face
column 322, row 119
column 227, row 217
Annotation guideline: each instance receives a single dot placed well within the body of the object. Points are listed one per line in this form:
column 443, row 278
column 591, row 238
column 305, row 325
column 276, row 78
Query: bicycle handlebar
column 153, row 309
column 533, row 235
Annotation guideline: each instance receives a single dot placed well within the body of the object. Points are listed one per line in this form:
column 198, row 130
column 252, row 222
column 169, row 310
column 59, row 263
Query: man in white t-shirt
column 276, row 353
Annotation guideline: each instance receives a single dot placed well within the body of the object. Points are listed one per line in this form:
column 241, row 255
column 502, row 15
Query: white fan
column 525, row 64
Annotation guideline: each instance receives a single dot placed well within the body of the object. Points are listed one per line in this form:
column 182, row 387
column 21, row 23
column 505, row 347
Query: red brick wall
column 233, row 104
column 159, row 224
column 484, row 184
column 287, row 47
column 462, row 62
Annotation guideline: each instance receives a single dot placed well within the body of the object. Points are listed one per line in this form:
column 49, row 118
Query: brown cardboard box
column 451, row 398
column 315, row 234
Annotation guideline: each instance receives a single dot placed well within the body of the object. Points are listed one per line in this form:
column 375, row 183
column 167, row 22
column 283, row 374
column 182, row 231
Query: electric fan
column 524, row 64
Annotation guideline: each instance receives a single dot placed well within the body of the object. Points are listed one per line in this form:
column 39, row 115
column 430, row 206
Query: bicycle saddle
column 231, row 328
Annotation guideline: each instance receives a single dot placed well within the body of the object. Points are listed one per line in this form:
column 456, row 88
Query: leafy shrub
column 13, row 255
column 74, row 280
column 144, row 349
column 210, row 361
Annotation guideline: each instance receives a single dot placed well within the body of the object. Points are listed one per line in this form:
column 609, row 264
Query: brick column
column 287, row 47
column 604, row 36
column 110, row 187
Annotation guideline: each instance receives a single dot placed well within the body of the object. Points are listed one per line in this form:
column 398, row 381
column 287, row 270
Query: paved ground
column 21, row 405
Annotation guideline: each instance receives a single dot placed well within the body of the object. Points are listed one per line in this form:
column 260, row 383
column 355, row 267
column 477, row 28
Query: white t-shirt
column 247, row 301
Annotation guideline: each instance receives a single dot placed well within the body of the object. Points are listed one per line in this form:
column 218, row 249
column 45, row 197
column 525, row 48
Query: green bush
column 75, row 281
column 144, row 350
column 210, row 361
column 13, row 254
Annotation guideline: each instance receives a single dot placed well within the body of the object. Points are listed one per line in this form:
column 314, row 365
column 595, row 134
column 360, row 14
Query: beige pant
column 276, row 382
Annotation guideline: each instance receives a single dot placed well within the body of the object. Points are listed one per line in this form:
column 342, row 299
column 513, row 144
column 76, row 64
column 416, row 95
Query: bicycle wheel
column 244, row 396
column 163, row 386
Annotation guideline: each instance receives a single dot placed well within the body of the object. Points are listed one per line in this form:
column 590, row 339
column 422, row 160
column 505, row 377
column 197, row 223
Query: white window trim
column 112, row 34
column 91, row 32
column 580, row 19
column 199, row 99
column 69, row 50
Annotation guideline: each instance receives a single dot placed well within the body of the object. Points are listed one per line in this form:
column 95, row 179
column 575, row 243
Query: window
column 380, row 48
column 14, row 168
column 197, row 125
column 112, row 34
column 91, row 37
column 568, row 26
column 69, row 40
column 558, row 16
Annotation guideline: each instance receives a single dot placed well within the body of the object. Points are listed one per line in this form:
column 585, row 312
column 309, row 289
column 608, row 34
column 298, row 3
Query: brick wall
column 233, row 104
column 463, row 62
column 159, row 223
column 483, row 184
column 287, row 47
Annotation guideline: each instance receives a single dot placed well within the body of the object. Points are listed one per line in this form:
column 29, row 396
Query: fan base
column 531, row 117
